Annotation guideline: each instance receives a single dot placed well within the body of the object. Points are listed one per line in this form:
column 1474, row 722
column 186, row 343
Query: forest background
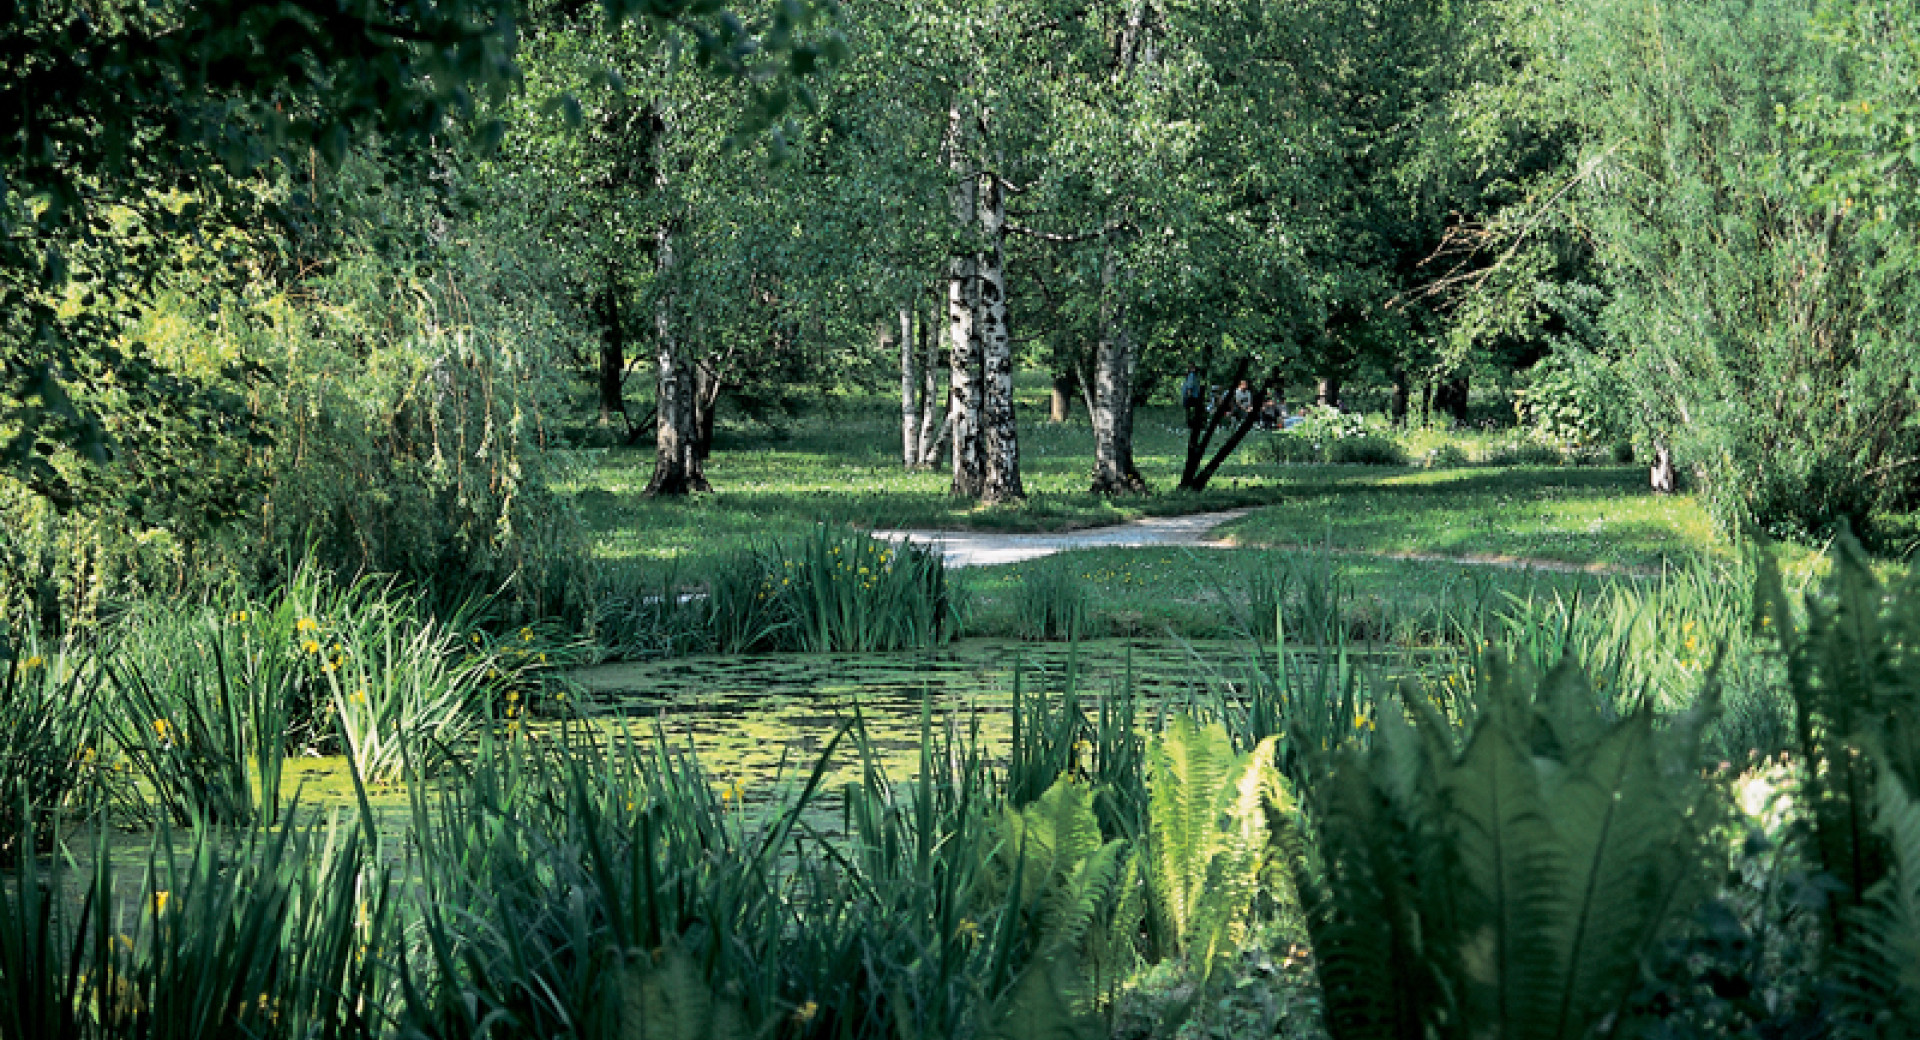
column 285, row 282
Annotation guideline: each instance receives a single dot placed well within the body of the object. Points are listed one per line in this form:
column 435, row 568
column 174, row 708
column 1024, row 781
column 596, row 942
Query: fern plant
column 1077, row 897
column 1509, row 887
column 1214, row 819
column 1880, row 971
column 1854, row 672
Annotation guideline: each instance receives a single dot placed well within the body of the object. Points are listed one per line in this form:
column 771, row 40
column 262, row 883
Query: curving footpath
column 989, row 548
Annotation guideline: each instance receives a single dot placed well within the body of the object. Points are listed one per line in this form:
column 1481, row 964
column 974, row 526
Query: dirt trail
column 988, row 548
column 1195, row 530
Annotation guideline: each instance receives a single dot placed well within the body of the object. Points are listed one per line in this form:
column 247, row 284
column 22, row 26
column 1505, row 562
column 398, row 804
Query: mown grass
column 839, row 464
column 1596, row 517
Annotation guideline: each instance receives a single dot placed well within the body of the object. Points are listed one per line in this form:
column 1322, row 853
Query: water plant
column 52, row 757
column 1051, row 601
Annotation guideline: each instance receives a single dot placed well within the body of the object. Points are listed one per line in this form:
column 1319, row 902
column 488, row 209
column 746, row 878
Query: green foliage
column 1369, row 449
column 1509, row 886
column 1573, row 404
column 277, row 934
column 1080, row 903
column 1760, row 323
column 1447, row 456
column 51, row 756
column 1523, row 451
column 1881, row 968
column 1856, row 686
column 1051, row 601
column 1214, row 819
column 832, row 590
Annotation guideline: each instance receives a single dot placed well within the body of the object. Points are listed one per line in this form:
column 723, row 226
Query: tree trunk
column 929, row 447
column 613, row 354
column 1060, row 404
column 998, row 425
column 963, row 337
column 706, row 396
column 999, row 428
column 1114, row 472
column 1662, row 476
column 1451, row 397
column 676, row 468
column 1402, row 397
column 909, row 391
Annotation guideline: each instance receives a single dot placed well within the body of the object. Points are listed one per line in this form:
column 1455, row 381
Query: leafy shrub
column 1576, row 840
column 1289, row 448
column 1571, row 402
column 1524, row 451
column 1367, row 449
column 1328, row 435
column 1447, row 456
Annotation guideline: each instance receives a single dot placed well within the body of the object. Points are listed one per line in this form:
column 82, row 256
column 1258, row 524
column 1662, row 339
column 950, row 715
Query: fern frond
column 1511, row 880
column 1881, row 967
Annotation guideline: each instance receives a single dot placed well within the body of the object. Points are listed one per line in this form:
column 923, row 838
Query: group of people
column 1200, row 399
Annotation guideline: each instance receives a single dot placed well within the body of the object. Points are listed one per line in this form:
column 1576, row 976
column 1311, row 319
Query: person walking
column 1193, row 397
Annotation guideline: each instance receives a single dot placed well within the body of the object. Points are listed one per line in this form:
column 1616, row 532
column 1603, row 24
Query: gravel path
column 987, row 548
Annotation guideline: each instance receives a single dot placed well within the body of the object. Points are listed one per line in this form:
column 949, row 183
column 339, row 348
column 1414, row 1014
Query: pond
column 750, row 718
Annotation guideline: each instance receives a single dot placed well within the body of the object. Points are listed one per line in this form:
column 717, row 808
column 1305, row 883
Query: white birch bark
column 1114, row 472
column 932, row 407
column 1000, row 431
column 909, row 392
column 676, row 468
column 963, row 338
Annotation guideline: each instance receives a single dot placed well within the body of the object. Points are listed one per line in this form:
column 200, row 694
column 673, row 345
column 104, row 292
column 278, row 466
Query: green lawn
column 839, row 464
column 1596, row 517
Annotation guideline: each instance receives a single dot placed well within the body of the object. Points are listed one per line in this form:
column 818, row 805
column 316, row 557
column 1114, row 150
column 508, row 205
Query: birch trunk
column 929, row 450
column 676, row 468
column 1661, row 475
column 963, row 298
column 1114, row 472
column 909, row 392
column 1111, row 406
column 1000, row 430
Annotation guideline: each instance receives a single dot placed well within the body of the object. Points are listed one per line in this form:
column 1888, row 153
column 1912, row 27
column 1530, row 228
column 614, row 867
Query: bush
column 1327, row 435
column 1524, row 451
column 1446, row 456
column 1367, row 449
column 1289, row 448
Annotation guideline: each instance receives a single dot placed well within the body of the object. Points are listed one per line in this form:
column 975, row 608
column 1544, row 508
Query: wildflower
column 805, row 1012
column 305, row 624
column 542, row 658
column 513, row 696
column 526, row 635
column 163, row 730
column 33, row 662
column 160, row 898
column 734, row 791
column 327, row 667
column 239, row 615
column 311, row 646
column 967, row 930
column 474, row 638
column 560, row 698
